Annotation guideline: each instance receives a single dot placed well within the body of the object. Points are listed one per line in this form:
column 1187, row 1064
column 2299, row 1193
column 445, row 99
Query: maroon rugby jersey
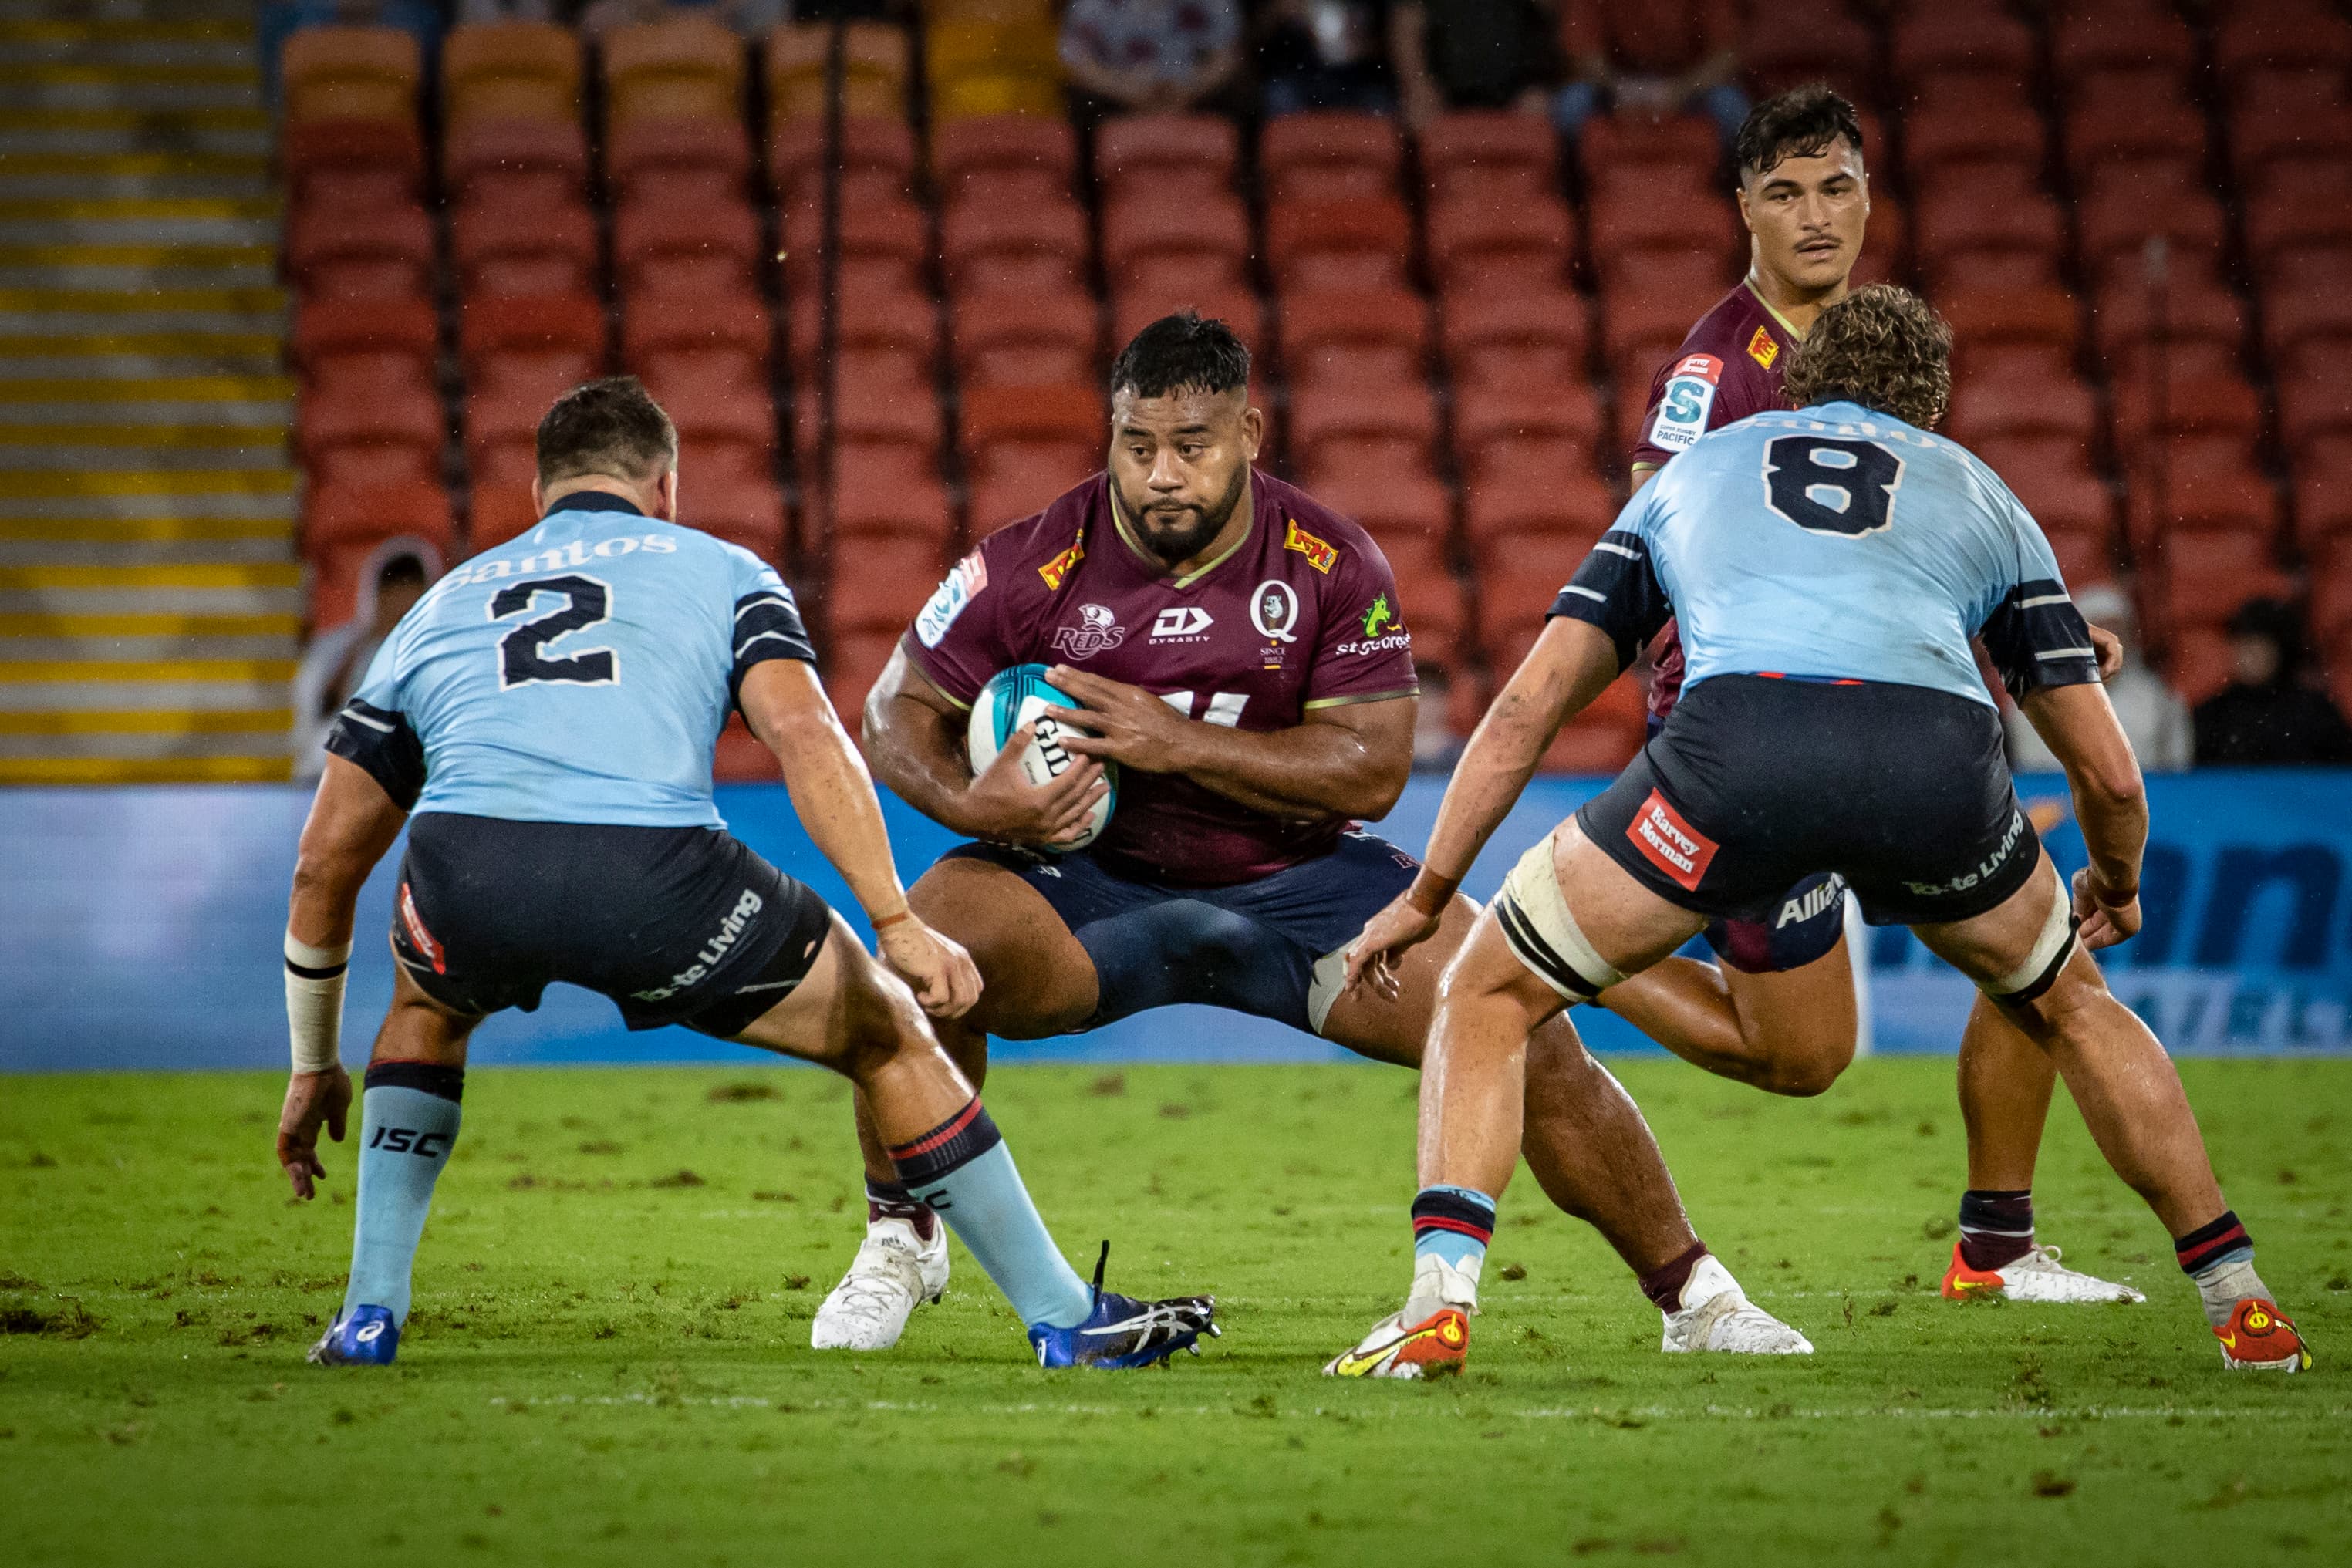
column 1728, row 367
column 1302, row 614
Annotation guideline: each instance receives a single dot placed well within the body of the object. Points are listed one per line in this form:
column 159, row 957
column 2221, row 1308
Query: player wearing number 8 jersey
column 1242, row 655
column 543, row 721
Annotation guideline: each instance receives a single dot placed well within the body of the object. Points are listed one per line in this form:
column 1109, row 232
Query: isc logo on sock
column 408, row 1140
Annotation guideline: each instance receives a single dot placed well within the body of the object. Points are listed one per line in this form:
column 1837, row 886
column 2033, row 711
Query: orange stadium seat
column 1019, row 339
column 510, row 70
column 872, row 407
column 1796, row 41
column 746, row 512
column 1017, row 489
column 679, row 158
column 1330, row 155
column 501, row 248
column 913, row 507
column 377, row 161
column 898, row 327
column 349, row 73
column 1561, row 421
column 1475, row 243
column 672, row 330
column 1364, row 337
column 1626, row 233
column 1336, row 428
column 1041, row 247
column 1613, row 145
column 408, row 330
column 883, row 245
column 1516, row 338
column 726, row 421
column 1004, row 153
column 339, row 517
column 358, row 252
column 1156, row 237
column 1137, row 153
column 1135, row 306
column 879, row 584
column 874, row 77
column 512, row 159
column 561, row 334
column 874, row 149
column 1528, row 494
column 2022, row 402
column 684, row 246
column 1998, row 328
column 501, row 421
column 1021, row 425
column 684, row 67
column 496, row 513
column 1489, row 154
column 854, row 662
column 370, row 431
column 1364, row 242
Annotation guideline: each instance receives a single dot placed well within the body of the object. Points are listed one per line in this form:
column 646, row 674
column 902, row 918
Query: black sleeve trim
column 768, row 626
column 2037, row 638
column 381, row 741
column 1617, row 590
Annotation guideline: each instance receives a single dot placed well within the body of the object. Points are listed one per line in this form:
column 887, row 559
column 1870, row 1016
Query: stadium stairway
column 150, row 601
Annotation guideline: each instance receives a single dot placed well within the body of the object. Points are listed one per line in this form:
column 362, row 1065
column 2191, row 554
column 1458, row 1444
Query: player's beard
column 1176, row 537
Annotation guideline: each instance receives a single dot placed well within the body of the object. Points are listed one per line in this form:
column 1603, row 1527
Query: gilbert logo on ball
column 1016, row 700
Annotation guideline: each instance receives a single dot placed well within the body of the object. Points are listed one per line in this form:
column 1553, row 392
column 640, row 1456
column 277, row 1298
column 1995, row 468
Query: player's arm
column 1348, row 760
column 914, row 736
column 832, row 795
column 1570, row 664
column 2079, row 725
column 353, row 821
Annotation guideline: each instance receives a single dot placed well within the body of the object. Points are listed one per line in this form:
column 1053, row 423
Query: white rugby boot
column 895, row 1271
column 2036, row 1277
column 1716, row 1314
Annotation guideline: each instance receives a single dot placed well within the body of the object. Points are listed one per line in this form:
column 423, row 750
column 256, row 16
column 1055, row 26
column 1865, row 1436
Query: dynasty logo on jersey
column 1689, row 397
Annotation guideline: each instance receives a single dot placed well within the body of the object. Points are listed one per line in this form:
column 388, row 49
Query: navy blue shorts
column 1251, row 946
column 682, row 925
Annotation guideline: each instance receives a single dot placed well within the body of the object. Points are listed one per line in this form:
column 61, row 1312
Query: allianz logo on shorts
column 1993, row 863
column 722, row 941
column 1797, row 911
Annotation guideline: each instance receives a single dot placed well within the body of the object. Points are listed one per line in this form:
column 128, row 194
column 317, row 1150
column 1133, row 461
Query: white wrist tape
column 314, row 1002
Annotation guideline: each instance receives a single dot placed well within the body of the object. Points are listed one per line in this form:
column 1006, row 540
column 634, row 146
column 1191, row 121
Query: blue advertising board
column 141, row 928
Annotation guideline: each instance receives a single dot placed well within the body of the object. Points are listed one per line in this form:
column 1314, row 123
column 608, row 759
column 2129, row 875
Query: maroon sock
column 1996, row 1228
column 891, row 1200
column 1663, row 1285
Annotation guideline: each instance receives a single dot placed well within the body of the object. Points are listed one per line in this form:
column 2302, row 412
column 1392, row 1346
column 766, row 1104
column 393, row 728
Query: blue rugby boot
column 1122, row 1331
column 365, row 1336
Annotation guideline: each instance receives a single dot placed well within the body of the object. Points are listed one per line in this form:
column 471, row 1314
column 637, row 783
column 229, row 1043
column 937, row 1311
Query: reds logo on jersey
column 1097, row 632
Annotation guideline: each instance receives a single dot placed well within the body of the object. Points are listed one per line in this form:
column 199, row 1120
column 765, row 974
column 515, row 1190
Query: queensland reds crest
column 1096, row 633
column 1274, row 610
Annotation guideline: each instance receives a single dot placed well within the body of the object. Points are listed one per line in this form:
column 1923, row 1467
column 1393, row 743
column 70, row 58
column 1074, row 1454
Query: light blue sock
column 1454, row 1223
column 408, row 1122
column 962, row 1170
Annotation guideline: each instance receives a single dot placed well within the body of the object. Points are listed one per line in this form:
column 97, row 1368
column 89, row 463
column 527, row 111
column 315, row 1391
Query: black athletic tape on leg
column 326, row 972
column 1523, row 936
column 425, row 1077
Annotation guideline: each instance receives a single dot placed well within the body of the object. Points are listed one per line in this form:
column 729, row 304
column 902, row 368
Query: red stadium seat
column 1610, row 144
column 536, row 162
column 501, row 422
column 2185, row 308
column 2116, row 119
column 725, row 427
column 1004, row 153
column 871, row 146
column 686, row 244
column 1964, row 240
column 1022, row 485
column 1135, row 306
column 2119, row 37
column 680, row 159
column 1143, row 152
column 1007, row 430
column 2290, row 129
column 896, row 326
column 853, row 662
column 1802, row 41
column 1474, row 243
column 2009, row 327
column 1657, row 304
column 568, row 328
column 1487, row 153
column 733, row 327
column 1345, row 244
column 2224, row 405
column 325, row 328
column 1023, row 339
column 377, row 161
column 745, row 511
column 2322, row 490
column 1516, row 338
column 2313, row 406
column 2053, row 481
column 1566, row 414
column 872, row 407
column 2024, row 404
column 2118, row 223
column 883, row 245
column 1037, row 247
column 372, row 430
column 1960, row 40
column 879, row 584
column 1391, row 505
column 2278, row 228
column 1155, row 234
column 1330, row 155
column 497, row 513
column 1364, row 337
column 1389, row 427
column 338, row 517
column 2250, row 35
column 1571, row 502
column 1624, row 233
column 1972, row 130
column 2206, row 576
column 502, row 249
column 358, row 252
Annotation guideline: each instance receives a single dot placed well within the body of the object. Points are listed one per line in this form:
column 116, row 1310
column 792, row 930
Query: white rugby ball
column 1014, row 700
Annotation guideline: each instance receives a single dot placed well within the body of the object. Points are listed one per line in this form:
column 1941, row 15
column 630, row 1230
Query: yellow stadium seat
column 351, row 73
column 510, row 70
column 686, row 68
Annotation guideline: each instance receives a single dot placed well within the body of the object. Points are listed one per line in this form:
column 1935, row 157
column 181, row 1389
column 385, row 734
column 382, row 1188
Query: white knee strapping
column 2050, row 953
column 1330, row 978
column 1544, row 936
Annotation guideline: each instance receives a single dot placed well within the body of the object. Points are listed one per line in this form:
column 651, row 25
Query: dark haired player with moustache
column 1831, row 566
column 1780, row 1011
column 1242, row 653
column 542, row 721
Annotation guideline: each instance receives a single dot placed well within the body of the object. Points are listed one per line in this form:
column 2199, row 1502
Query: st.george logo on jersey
column 1689, row 398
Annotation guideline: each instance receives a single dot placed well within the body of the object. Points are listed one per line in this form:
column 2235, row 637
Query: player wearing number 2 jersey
column 543, row 723
column 1242, row 655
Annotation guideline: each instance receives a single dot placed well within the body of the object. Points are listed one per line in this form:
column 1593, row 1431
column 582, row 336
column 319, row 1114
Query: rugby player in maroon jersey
column 1242, row 655
column 1779, row 1013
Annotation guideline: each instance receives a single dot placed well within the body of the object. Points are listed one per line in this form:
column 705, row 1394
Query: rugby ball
column 1014, row 700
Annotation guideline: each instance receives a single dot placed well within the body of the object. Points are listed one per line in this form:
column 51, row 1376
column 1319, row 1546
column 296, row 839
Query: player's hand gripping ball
column 1010, row 710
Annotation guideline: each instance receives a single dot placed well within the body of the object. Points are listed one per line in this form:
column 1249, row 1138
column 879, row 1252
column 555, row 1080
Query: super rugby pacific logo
column 1097, row 632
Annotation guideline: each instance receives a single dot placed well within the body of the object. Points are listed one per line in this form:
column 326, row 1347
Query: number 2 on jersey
column 1826, row 485
column 522, row 653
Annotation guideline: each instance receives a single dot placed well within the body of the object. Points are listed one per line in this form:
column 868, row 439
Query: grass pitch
column 609, row 1362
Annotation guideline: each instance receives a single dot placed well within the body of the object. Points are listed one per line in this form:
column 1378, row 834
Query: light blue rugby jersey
column 1835, row 543
column 579, row 673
